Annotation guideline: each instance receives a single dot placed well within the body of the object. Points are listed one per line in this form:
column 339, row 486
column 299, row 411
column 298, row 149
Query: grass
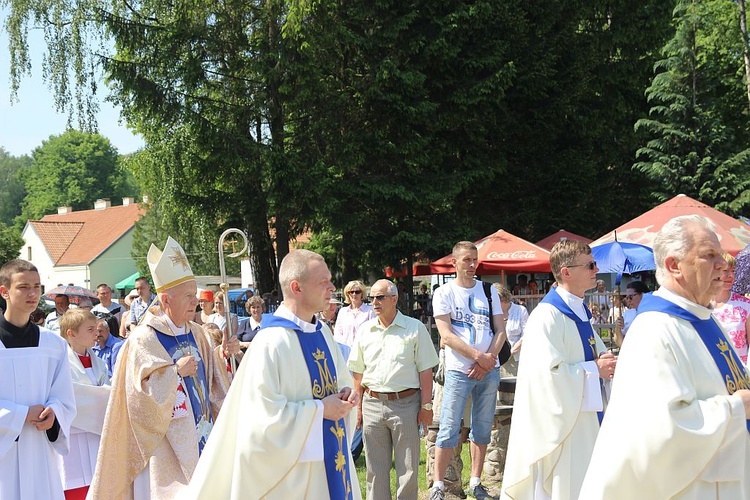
column 361, row 468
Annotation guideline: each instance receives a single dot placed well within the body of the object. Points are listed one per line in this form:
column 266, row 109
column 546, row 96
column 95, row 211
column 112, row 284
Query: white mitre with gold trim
column 170, row 267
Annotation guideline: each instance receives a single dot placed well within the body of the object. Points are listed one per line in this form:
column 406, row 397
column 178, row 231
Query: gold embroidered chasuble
column 139, row 428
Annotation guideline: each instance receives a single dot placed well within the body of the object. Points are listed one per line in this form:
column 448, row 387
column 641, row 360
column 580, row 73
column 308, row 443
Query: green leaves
column 75, row 169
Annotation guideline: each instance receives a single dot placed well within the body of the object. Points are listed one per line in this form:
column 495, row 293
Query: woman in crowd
column 733, row 310
column 218, row 317
column 350, row 318
column 206, row 303
column 255, row 306
column 515, row 317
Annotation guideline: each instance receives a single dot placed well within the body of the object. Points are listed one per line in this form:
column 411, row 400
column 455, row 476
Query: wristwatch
column 427, row 406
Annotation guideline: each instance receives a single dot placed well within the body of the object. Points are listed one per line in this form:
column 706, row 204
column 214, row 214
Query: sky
column 31, row 120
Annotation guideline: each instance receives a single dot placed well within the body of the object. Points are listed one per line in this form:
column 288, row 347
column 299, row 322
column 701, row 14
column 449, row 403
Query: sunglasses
column 631, row 295
column 354, row 292
column 591, row 265
column 378, row 297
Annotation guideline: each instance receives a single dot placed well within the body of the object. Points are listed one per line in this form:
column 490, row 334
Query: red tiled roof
column 80, row 237
column 57, row 236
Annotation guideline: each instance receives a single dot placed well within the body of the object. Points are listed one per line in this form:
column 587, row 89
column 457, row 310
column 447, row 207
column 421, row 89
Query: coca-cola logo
column 517, row 255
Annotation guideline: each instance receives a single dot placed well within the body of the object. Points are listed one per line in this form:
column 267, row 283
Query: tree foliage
column 393, row 129
column 10, row 243
column 12, row 190
column 697, row 146
column 72, row 169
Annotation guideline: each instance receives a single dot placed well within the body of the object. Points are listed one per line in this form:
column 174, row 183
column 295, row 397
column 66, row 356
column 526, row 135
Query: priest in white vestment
column 676, row 426
column 37, row 404
column 286, row 425
column 558, row 400
column 167, row 390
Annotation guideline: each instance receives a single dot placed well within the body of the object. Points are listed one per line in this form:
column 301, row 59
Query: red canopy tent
column 499, row 253
column 560, row 235
column 734, row 235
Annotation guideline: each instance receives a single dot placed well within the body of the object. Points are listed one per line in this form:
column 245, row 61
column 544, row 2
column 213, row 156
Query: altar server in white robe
column 558, row 401
column 676, row 426
column 91, row 389
column 36, row 393
column 285, row 427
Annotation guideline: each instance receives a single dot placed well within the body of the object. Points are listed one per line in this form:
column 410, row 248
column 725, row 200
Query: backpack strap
column 488, row 293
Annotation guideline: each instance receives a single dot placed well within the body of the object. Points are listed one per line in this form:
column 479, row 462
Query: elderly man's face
column 702, row 268
column 180, row 302
column 385, row 306
column 102, row 333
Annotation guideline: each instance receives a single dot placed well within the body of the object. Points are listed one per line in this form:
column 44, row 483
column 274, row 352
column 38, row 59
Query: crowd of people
column 188, row 406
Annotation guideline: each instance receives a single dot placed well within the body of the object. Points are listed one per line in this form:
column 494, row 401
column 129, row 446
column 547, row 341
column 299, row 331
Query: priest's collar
column 696, row 309
column 574, row 302
column 177, row 330
column 284, row 312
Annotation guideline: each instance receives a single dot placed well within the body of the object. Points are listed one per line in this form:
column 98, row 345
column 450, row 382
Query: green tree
column 12, row 190
column 10, row 243
column 695, row 145
column 75, row 169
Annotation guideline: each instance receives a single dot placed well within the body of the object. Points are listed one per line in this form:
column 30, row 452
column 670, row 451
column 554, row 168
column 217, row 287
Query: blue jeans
column 456, row 392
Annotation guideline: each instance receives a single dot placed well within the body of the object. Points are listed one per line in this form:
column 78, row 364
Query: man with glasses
column 677, row 423
column 559, row 398
column 633, row 295
column 392, row 360
column 462, row 315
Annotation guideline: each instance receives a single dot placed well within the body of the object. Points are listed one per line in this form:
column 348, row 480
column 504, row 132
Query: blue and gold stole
column 196, row 386
column 322, row 371
column 585, row 330
column 729, row 364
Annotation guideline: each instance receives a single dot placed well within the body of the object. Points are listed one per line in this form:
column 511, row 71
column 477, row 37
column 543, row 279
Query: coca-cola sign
column 517, row 255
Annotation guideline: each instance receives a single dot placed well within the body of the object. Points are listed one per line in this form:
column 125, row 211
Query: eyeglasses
column 630, row 296
column 378, row 297
column 591, row 265
column 354, row 292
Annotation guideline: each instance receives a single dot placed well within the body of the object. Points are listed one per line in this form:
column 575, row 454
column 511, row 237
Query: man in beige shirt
column 391, row 360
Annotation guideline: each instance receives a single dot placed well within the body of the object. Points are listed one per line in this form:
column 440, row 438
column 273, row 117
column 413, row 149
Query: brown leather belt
column 387, row 396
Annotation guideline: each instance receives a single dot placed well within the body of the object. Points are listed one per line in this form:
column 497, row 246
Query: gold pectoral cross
column 592, row 344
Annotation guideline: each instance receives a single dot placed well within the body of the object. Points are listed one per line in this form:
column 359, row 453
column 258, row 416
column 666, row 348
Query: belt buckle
column 382, row 397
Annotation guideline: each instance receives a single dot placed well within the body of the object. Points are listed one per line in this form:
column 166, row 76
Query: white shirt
column 470, row 321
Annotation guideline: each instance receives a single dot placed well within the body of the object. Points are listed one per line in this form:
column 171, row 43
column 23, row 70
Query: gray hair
column 392, row 288
column 503, row 292
column 675, row 238
column 294, row 267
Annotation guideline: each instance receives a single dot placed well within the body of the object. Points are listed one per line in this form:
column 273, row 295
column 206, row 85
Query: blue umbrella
column 619, row 257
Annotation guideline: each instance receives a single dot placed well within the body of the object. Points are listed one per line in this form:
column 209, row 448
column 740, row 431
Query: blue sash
column 729, row 364
column 195, row 386
column 324, row 383
column 585, row 330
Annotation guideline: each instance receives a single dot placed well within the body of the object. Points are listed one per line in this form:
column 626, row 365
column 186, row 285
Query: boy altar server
column 36, row 393
column 167, row 390
column 91, row 389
